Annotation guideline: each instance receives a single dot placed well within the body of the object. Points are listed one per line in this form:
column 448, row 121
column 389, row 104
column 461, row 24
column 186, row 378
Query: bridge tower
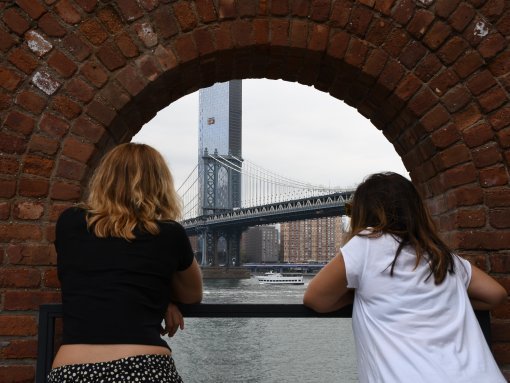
column 220, row 135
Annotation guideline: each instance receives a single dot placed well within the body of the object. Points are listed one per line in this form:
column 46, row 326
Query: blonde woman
column 122, row 261
column 413, row 318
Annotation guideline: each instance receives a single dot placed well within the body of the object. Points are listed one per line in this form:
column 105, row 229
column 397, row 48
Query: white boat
column 273, row 278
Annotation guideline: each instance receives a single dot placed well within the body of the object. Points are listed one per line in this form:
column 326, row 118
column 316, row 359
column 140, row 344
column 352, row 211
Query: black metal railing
column 48, row 314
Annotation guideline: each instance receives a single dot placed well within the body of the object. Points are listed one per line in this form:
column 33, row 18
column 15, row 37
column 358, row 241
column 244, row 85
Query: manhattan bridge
column 225, row 194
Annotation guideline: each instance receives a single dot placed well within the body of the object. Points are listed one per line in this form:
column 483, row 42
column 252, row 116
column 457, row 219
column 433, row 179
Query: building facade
column 260, row 244
column 314, row 240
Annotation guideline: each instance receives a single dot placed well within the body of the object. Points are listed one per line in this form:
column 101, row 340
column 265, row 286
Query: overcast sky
column 291, row 129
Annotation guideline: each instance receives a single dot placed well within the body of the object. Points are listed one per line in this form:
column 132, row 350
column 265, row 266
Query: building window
column 210, row 121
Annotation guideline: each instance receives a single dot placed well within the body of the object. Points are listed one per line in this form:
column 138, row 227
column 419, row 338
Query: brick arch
column 80, row 76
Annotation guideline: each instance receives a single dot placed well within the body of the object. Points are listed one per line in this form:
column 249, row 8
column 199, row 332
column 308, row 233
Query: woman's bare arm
column 328, row 291
column 186, row 286
column 484, row 291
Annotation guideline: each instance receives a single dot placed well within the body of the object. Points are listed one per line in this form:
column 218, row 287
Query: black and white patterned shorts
column 135, row 369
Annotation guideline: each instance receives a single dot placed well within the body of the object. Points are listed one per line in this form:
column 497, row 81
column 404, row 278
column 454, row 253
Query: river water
column 252, row 350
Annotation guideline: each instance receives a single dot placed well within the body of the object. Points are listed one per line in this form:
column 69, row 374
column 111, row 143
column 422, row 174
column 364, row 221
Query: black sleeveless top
column 116, row 291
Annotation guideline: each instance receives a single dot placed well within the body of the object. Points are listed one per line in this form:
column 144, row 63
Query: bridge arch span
column 79, row 77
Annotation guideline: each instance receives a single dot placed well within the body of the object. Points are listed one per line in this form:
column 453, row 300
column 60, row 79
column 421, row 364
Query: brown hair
column 389, row 203
column 131, row 188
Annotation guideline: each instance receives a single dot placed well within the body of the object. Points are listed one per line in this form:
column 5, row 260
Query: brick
column 500, row 65
column 428, row 67
column 71, row 170
column 31, row 187
column 407, row 87
column 101, row 113
column 50, row 26
column 470, row 218
column 88, row 129
column 67, row 12
column 492, row 99
column 480, row 82
column 37, row 165
column 115, row 95
column 94, row 73
column 41, row 144
column 111, row 58
column 20, row 123
column 497, row 197
column 356, row 53
column 206, row 11
column 420, row 23
column 33, row 8
column 467, row 64
column 422, row 102
column 445, row 136
column 11, row 144
column 31, row 101
column 340, row 13
column 165, row 23
column 437, row 35
column 131, row 80
column 452, row 49
column 320, row 10
column 492, row 45
column 185, row 48
column 79, row 90
column 94, row 31
column 452, row 156
column 477, row 135
column 412, row 53
column 241, row 35
column 384, row 6
column 444, row 81
column 378, row 31
column 111, row 19
column 495, row 176
column 65, row 192
column 20, row 232
column 149, row 5
column 23, row 60
column 8, row 79
column 185, row 16
column 5, row 212
column 486, row 240
column 456, row 98
column 318, row 38
column 53, row 125
column 261, row 32
column 146, row 34
column 6, row 41
column 359, row 21
column 503, row 137
column 87, row 5
column 148, row 68
column 445, row 7
column 18, row 325
column 461, row 17
column 403, row 11
column 50, row 278
column 486, row 155
column 31, row 255
column 17, row 23
column 66, row 107
column 19, row 349
column 467, row 117
column 76, row 46
column 46, row 82
column 78, row 150
column 395, row 42
column 500, row 119
column 29, row 299
column 338, row 44
column 435, row 118
column 126, row 45
column 9, row 165
column 459, row 175
column 28, row 210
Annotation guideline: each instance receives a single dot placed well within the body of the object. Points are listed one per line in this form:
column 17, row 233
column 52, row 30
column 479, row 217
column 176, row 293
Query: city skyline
column 288, row 128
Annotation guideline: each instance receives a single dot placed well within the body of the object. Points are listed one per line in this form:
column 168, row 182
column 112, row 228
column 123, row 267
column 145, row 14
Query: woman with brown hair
column 122, row 261
column 413, row 318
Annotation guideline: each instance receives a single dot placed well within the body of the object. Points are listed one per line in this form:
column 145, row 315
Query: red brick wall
column 80, row 76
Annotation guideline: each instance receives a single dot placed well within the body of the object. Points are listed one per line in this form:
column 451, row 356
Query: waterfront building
column 260, row 244
column 314, row 240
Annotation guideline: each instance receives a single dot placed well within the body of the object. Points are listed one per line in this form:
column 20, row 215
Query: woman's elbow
column 315, row 304
column 501, row 297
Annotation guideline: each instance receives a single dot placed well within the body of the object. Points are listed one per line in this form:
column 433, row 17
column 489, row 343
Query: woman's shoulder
column 72, row 213
column 171, row 226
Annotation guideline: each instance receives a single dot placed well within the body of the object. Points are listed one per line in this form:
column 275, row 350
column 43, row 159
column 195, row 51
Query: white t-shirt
column 408, row 329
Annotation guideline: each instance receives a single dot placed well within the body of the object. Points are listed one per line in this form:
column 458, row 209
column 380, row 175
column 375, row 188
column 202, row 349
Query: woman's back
column 407, row 328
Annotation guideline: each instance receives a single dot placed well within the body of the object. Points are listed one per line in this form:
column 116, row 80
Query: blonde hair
column 131, row 188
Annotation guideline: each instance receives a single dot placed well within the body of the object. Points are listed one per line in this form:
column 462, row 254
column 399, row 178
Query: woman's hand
column 173, row 320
